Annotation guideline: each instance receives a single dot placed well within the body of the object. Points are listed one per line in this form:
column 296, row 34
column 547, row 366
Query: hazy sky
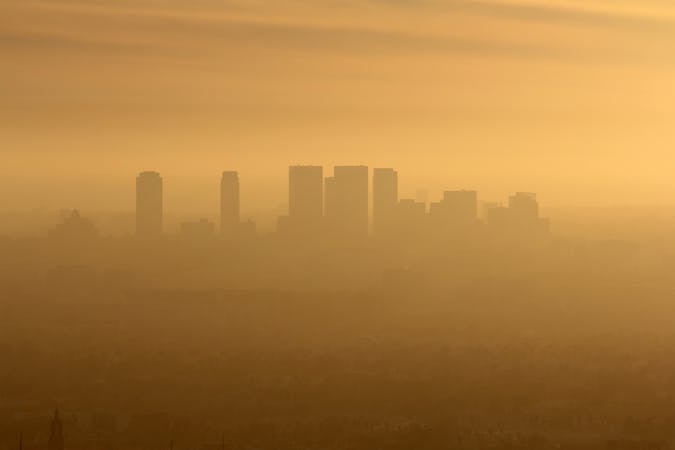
column 572, row 99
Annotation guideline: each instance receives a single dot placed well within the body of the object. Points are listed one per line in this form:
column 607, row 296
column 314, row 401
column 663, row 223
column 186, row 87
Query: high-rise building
column 149, row 204
column 305, row 197
column 348, row 205
column 410, row 218
column 460, row 206
column 385, row 199
column 524, row 207
column 330, row 198
column 229, row 203
column 520, row 219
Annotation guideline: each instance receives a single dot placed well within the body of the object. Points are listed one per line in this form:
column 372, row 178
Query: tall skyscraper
column 349, row 201
column 305, row 197
column 229, row 203
column 460, row 206
column 385, row 199
column 330, row 200
column 524, row 207
column 410, row 218
column 149, row 204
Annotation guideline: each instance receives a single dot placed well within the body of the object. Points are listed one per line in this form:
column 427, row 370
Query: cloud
column 148, row 29
column 569, row 15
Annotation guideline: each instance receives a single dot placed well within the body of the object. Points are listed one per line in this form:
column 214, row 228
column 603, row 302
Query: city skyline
column 350, row 203
column 557, row 97
column 337, row 224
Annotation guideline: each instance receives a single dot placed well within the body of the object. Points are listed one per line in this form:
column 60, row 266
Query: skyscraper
column 524, row 207
column 385, row 199
column 456, row 212
column 460, row 206
column 349, row 198
column 521, row 218
column 229, row 203
column 149, row 204
column 410, row 218
column 305, row 197
column 330, row 200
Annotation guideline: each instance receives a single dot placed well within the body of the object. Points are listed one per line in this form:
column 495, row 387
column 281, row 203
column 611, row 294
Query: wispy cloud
column 146, row 27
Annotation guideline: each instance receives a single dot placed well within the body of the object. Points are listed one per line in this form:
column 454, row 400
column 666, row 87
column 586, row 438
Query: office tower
column 305, row 197
column 330, row 199
column 520, row 219
column 385, row 199
column 349, row 201
column 411, row 216
column 524, row 207
column 229, row 203
column 487, row 206
column 149, row 204
column 499, row 218
column 460, row 206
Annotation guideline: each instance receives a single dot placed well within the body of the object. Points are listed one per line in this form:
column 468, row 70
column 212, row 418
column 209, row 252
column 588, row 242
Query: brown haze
column 337, row 225
column 571, row 99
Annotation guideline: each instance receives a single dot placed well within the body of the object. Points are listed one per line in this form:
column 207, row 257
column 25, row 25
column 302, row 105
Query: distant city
column 338, row 207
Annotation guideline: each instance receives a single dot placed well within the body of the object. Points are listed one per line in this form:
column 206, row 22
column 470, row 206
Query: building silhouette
column 74, row 228
column 524, row 206
column 347, row 201
column 149, row 204
column 200, row 229
column 330, row 199
column 305, row 198
column 460, row 206
column 385, row 199
column 410, row 218
column 456, row 212
column 520, row 218
column 229, row 203
column 55, row 441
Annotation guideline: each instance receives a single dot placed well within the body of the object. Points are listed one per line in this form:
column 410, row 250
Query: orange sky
column 572, row 99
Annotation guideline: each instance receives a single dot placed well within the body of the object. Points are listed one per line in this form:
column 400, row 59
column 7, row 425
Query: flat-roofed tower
column 229, row 203
column 149, row 204
column 349, row 198
column 305, row 195
column 385, row 200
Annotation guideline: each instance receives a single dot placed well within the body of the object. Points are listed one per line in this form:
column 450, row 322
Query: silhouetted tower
column 410, row 218
column 55, row 441
column 229, row 203
column 305, row 197
column 330, row 200
column 149, row 204
column 385, row 199
column 524, row 207
column 349, row 201
column 461, row 206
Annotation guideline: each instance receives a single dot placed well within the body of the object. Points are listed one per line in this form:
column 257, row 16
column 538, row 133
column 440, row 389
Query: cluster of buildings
column 339, row 206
